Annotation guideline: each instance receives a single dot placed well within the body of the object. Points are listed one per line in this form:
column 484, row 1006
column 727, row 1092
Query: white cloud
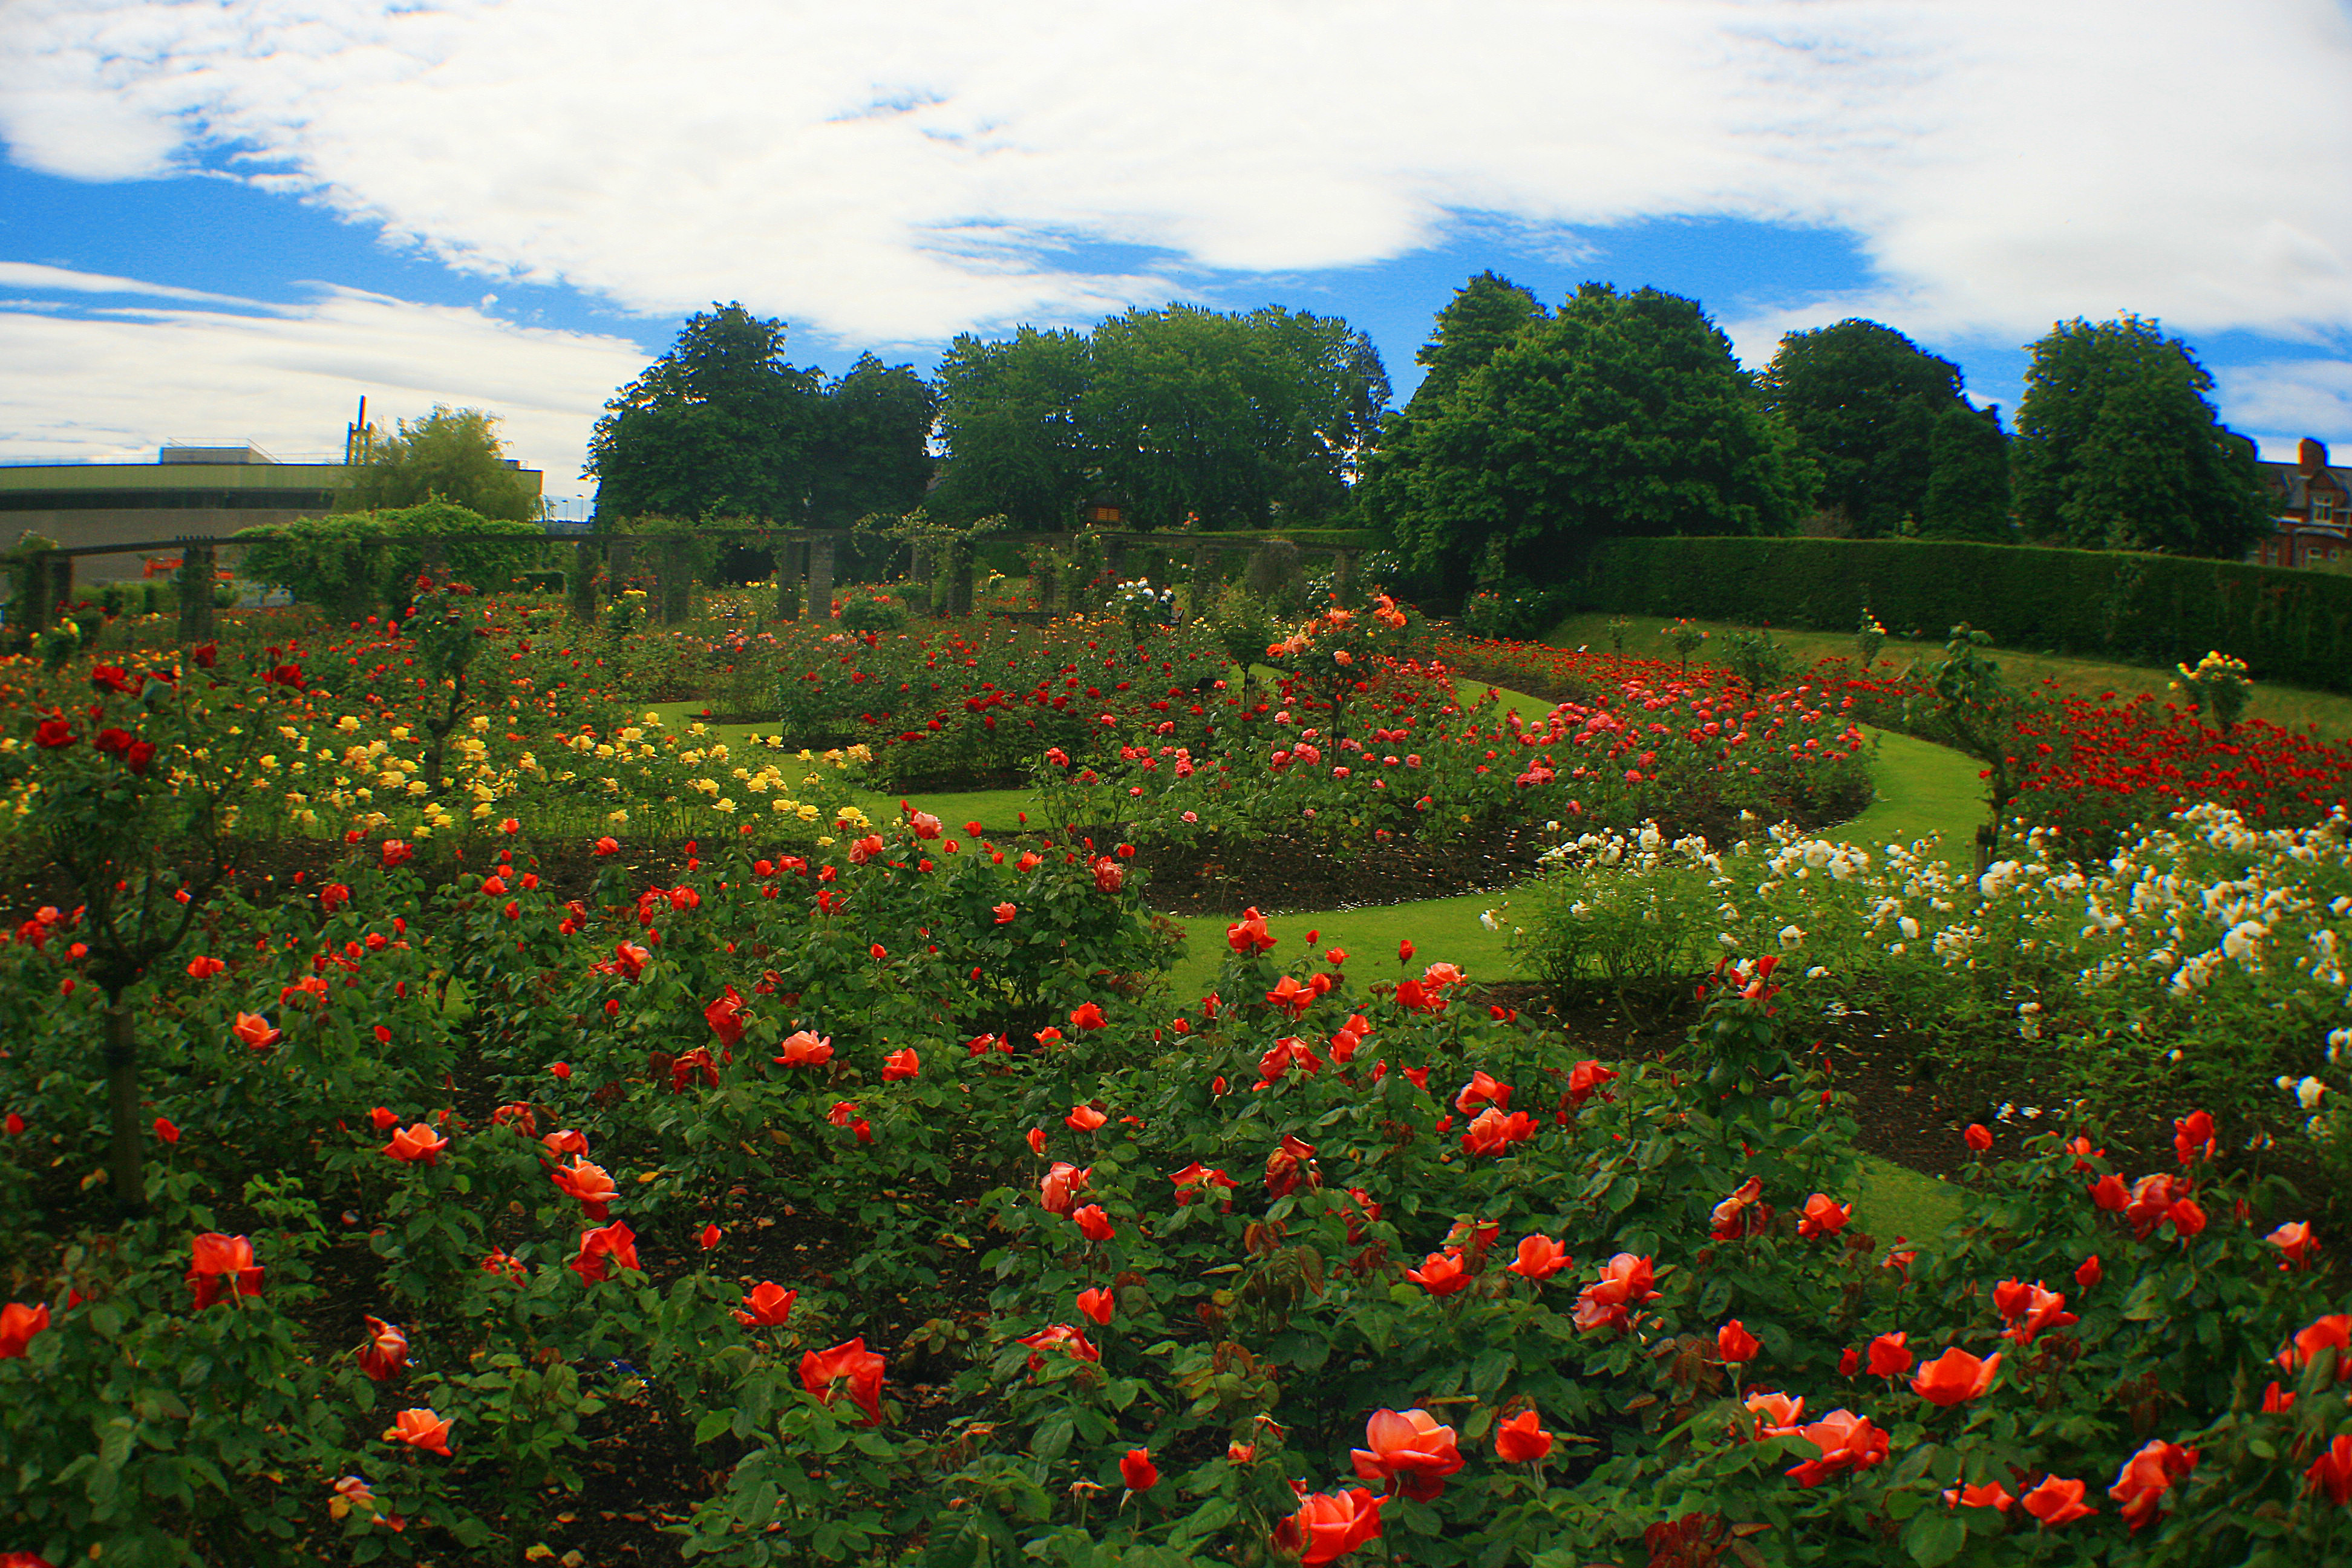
column 31, row 275
column 900, row 171
column 2286, row 400
column 115, row 382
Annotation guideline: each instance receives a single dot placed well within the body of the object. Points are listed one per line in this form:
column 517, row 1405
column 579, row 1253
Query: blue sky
column 228, row 222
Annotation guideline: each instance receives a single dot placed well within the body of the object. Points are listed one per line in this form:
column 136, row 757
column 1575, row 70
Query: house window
column 2322, row 506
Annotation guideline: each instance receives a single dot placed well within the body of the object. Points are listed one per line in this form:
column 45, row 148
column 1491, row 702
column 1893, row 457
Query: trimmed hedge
column 2293, row 628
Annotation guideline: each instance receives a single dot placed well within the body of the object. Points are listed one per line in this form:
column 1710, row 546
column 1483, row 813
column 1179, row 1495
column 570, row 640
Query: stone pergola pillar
column 675, row 588
column 195, row 585
column 923, row 574
column 60, row 567
column 960, row 571
column 820, row 578
column 1343, row 571
column 580, row 587
column 32, row 611
column 791, row 557
column 1046, row 578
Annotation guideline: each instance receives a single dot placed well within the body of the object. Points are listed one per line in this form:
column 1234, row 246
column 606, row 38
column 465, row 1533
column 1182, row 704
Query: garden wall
column 2292, row 627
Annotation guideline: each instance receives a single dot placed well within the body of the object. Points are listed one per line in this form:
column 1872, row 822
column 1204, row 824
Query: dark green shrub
column 1517, row 611
column 2293, row 627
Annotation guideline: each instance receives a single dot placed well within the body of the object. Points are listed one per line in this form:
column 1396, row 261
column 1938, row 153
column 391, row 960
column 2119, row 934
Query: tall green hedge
column 2292, row 627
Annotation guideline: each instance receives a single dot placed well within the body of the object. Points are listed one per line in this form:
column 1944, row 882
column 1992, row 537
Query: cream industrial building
column 187, row 492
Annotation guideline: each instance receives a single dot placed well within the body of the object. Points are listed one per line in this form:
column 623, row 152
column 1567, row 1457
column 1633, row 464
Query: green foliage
column 1245, row 1179
column 153, row 1432
column 1621, row 414
column 1179, row 412
column 17, row 564
column 679, row 459
column 1970, row 708
column 338, row 564
column 1968, row 477
column 1758, row 661
column 2218, row 685
column 722, row 424
column 863, row 613
column 872, row 455
column 2117, row 447
column 1893, row 439
column 452, row 454
column 2123, row 988
column 1486, row 315
column 1229, row 417
column 1009, row 419
column 125, row 598
column 1246, row 623
column 2293, row 627
column 1519, row 611
column 1612, row 916
column 1869, row 637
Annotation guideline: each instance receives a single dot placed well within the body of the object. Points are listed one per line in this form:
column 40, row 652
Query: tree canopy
column 2117, row 447
column 453, row 455
column 1484, row 315
column 722, row 424
column 873, row 452
column 1009, row 420
column 1878, row 414
column 1178, row 412
column 1620, row 414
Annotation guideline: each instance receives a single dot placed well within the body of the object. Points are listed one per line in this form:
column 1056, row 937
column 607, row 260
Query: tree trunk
column 124, row 1171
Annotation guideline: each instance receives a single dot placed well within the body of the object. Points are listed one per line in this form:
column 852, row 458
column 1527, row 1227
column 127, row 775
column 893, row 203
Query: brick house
column 2312, row 512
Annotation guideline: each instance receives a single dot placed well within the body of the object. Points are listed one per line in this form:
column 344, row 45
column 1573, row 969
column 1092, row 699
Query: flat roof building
column 186, row 490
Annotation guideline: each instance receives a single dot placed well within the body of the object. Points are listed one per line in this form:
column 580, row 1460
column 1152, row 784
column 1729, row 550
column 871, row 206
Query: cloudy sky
column 224, row 220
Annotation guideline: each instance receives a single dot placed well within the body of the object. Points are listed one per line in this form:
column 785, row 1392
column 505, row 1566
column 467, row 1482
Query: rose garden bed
column 844, row 1189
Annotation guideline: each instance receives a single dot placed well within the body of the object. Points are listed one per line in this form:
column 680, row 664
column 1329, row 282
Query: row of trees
column 1533, row 430
column 1536, row 430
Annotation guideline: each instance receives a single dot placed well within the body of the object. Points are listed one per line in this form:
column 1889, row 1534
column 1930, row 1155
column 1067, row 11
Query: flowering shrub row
column 1357, row 744
column 2204, row 965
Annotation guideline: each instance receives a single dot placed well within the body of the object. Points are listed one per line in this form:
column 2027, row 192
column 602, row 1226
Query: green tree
column 452, row 454
column 1229, row 418
column 1486, row 315
column 1009, row 420
column 718, row 424
column 1621, row 414
column 1968, row 477
column 2117, row 447
column 873, row 453
column 1873, row 410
